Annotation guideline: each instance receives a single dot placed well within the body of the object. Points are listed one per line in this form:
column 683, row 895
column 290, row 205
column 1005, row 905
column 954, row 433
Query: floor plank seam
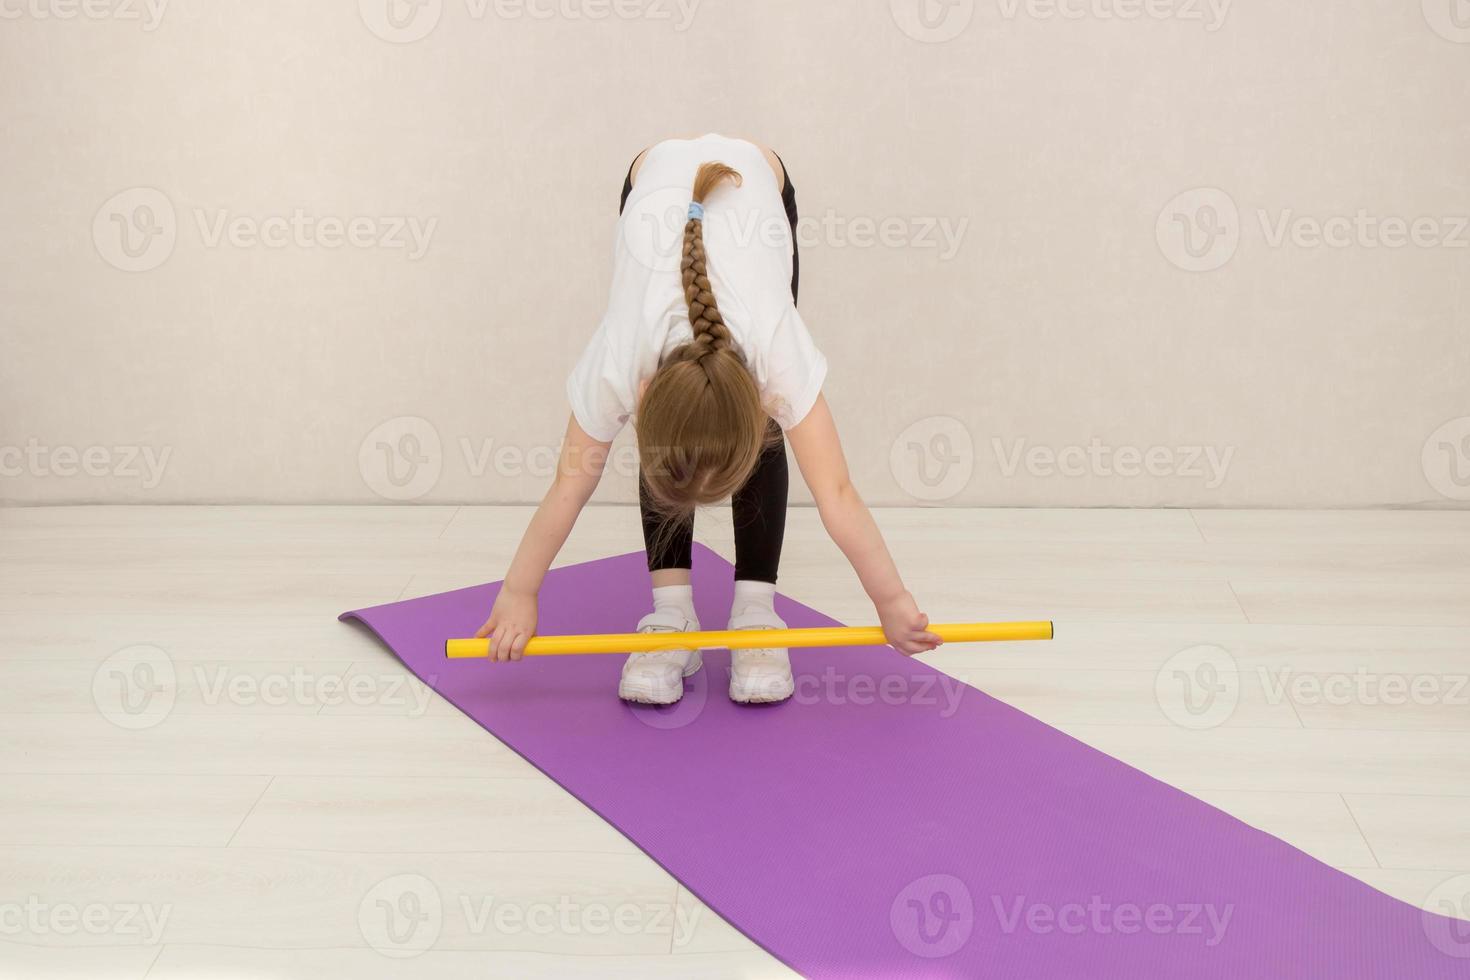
column 1236, row 596
column 1356, row 823
column 148, row 971
column 245, row 819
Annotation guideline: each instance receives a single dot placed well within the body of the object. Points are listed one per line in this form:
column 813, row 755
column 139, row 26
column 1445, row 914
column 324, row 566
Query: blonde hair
column 701, row 426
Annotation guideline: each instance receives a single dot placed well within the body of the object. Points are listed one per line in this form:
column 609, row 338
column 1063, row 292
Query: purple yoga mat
column 889, row 821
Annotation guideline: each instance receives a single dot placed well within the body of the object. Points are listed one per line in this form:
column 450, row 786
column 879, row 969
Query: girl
column 702, row 346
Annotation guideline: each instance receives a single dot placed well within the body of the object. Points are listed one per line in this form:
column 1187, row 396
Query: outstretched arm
column 513, row 619
column 847, row 519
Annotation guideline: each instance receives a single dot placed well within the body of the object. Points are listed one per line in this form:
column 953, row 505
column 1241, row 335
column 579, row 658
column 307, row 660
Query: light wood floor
column 263, row 816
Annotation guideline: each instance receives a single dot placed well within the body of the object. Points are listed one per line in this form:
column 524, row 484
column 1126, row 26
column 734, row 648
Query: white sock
column 675, row 598
column 753, row 595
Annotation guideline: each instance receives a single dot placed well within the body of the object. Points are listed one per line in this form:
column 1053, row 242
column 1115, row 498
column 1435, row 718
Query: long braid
column 708, row 327
column 701, row 424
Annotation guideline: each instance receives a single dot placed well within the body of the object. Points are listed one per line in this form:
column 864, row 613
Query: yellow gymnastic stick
column 821, row 636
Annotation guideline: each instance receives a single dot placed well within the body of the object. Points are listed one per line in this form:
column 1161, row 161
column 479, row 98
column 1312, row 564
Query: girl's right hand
column 512, row 622
column 906, row 628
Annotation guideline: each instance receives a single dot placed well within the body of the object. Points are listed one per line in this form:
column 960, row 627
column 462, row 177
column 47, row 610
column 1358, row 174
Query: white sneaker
column 762, row 674
column 658, row 678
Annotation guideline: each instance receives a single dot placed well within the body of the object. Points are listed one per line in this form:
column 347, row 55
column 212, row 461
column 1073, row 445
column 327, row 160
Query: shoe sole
column 760, row 695
column 646, row 697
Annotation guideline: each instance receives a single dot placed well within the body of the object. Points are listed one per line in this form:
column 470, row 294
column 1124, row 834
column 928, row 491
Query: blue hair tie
column 696, row 211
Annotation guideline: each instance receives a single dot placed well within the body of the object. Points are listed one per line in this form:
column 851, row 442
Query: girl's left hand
column 511, row 624
column 906, row 628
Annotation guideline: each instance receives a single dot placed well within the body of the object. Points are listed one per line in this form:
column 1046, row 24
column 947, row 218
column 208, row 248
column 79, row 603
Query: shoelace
column 764, row 653
column 658, row 656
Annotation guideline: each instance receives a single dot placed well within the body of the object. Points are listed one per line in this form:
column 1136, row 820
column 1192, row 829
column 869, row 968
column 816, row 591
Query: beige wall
column 1135, row 304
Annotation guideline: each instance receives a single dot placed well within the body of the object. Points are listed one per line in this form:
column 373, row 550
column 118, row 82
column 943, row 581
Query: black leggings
column 759, row 507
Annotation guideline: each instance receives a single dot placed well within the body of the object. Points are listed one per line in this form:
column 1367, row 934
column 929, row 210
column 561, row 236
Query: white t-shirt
column 748, row 255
